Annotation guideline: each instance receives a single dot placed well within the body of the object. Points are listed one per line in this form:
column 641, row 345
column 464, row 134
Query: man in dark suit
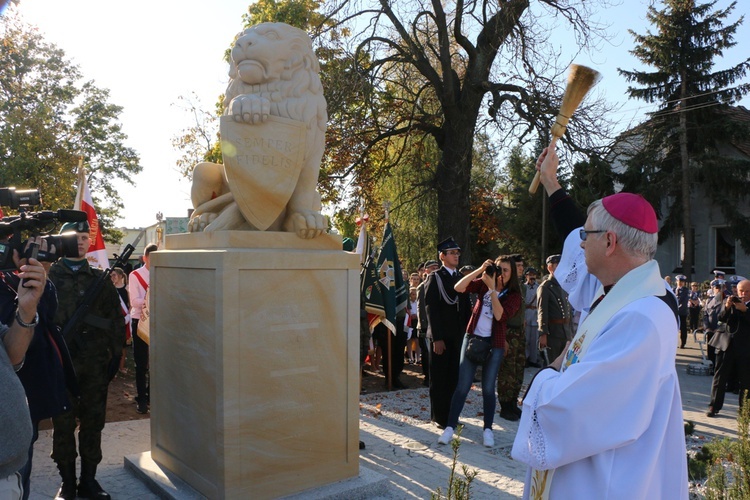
column 429, row 267
column 447, row 315
column 683, row 299
column 736, row 315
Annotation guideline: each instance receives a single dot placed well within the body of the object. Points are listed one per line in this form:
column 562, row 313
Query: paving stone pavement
column 400, row 444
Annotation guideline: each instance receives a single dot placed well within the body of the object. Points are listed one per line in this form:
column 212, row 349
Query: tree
column 680, row 144
column 522, row 215
column 48, row 118
column 592, row 179
column 200, row 141
column 476, row 56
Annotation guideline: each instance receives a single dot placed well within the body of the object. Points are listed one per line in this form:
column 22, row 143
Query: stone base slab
column 166, row 484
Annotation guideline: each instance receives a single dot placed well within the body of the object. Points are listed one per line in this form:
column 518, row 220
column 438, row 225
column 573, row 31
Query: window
column 724, row 249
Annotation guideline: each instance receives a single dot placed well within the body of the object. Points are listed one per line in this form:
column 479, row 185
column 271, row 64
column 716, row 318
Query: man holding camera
column 736, row 315
column 15, row 421
column 92, row 344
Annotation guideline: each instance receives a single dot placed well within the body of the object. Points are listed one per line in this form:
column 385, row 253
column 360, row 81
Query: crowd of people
column 603, row 415
column 64, row 328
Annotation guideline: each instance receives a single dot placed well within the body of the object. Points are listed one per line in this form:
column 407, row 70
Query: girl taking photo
column 499, row 298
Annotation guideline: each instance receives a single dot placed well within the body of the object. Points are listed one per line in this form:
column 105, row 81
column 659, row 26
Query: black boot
column 508, row 411
column 67, row 489
column 88, row 487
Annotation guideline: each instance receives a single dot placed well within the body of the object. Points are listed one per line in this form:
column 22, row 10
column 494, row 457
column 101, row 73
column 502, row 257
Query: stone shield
column 262, row 163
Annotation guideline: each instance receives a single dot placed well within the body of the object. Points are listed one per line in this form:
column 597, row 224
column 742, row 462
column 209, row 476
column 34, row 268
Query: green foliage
column 591, row 180
column 48, row 118
column 522, row 215
column 459, row 488
column 298, row 13
column 682, row 145
column 727, row 462
column 689, row 427
column 413, row 208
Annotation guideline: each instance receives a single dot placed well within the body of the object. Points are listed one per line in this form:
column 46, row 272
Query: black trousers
column 444, row 378
column 683, row 330
column 140, row 356
column 694, row 314
column 424, row 348
column 726, row 362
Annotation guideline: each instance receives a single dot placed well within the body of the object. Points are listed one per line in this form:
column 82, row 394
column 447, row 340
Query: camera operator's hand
column 33, row 279
column 18, row 337
column 730, row 302
column 740, row 306
column 43, row 247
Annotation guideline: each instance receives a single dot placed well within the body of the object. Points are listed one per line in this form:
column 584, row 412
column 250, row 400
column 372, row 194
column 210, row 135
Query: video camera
column 34, row 224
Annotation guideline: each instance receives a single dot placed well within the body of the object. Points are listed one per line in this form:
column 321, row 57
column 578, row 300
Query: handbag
column 478, row 349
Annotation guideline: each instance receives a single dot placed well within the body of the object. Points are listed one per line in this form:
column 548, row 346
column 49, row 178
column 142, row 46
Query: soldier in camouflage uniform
column 92, row 344
column 510, row 376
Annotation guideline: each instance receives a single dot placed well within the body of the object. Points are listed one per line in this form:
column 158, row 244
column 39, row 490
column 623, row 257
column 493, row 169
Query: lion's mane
column 298, row 94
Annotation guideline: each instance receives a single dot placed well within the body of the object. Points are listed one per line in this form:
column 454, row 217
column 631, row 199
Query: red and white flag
column 97, row 254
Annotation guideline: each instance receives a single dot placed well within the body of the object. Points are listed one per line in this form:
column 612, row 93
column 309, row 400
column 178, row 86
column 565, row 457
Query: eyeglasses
column 453, row 252
column 584, row 233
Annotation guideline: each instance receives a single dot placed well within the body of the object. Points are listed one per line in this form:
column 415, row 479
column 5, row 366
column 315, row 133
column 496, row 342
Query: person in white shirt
column 137, row 288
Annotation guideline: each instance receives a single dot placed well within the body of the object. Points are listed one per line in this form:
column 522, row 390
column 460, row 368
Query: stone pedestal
column 254, row 362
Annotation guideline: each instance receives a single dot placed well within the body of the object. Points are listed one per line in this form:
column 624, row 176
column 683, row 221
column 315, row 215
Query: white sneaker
column 489, row 440
column 447, row 435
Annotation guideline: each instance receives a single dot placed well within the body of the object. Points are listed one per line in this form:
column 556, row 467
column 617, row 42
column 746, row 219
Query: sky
column 149, row 53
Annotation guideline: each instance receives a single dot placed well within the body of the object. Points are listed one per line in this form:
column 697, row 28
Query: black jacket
column 47, row 373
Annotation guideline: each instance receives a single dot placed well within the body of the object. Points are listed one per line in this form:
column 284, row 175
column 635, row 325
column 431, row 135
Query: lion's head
column 274, row 58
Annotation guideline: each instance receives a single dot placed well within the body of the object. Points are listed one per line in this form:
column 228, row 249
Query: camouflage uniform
column 510, row 376
column 92, row 344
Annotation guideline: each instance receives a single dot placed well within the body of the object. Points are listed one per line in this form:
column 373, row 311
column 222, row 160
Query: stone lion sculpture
column 273, row 79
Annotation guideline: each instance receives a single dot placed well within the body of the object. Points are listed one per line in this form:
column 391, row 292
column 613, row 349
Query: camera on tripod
column 27, row 224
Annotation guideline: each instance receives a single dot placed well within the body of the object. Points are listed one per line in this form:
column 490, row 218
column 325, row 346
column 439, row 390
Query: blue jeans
column 466, row 371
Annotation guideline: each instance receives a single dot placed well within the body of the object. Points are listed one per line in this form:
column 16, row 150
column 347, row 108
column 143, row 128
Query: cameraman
column 47, row 373
column 736, row 315
column 15, row 337
column 92, row 344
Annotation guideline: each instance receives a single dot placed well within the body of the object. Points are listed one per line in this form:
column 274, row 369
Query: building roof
column 740, row 114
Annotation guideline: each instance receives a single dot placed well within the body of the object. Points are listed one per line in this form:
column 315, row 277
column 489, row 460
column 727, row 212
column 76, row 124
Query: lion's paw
column 199, row 223
column 306, row 223
column 250, row 108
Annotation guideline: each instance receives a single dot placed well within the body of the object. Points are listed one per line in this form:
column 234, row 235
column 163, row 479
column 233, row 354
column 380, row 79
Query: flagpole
column 80, row 175
column 389, row 342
